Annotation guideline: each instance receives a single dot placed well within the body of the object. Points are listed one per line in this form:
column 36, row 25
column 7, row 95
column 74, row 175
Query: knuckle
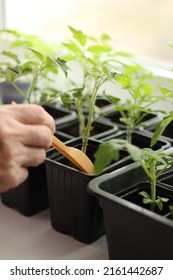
column 39, row 157
column 46, row 137
column 40, row 113
column 45, row 118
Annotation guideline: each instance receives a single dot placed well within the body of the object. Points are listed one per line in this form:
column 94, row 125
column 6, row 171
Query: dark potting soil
column 132, row 195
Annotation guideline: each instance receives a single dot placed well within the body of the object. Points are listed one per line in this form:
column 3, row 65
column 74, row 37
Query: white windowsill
column 33, row 238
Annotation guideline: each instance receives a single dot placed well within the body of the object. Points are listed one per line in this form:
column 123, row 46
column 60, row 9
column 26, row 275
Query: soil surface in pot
column 167, row 179
column 132, row 195
column 102, row 103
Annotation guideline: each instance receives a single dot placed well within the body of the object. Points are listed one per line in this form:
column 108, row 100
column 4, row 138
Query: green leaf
column 124, row 54
column 159, row 204
column 97, row 110
column 147, row 201
column 11, row 55
column 96, row 49
column 171, row 209
column 163, row 199
column 113, row 99
column 150, row 154
column 67, row 100
column 165, row 91
column 106, row 153
column 38, row 54
column 126, row 121
column 10, row 31
column 78, row 35
column 10, row 76
column 29, row 67
column 145, row 194
column 50, row 66
column 146, row 197
column 60, row 63
column 105, row 37
column 147, row 89
column 160, row 127
column 72, row 47
column 77, row 93
column 135, row 152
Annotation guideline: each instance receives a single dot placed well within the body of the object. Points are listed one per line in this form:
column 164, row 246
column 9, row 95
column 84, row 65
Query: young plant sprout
column 37, row 69
column 20, row 42
column 138, row 83
column 153, row 163
column 95, row 58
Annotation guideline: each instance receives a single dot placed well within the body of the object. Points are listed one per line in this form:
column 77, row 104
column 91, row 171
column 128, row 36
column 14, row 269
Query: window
column 141, row 27
column 2, row 14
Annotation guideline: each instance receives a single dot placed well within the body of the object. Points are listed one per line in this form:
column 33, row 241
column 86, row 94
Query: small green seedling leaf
column 96, row 49
column 171, row 209
column 72, row 47
column 10, row 76
column 78, row 35
column 39, row 55
column 159, row 202
column 11, row 55
column 160, row 127
column 106, row 153
column 146, row 197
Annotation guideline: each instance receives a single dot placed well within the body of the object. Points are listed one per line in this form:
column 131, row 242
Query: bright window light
column 143, row 28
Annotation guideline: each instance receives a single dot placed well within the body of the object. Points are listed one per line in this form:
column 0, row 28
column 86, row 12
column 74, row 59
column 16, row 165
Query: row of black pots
column 132, row 230
column 73, row 210
column 67, row 123
column 31, row 196
column 100, row 129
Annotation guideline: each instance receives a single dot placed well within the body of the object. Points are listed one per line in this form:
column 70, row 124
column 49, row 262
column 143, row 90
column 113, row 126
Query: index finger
column 32, row 114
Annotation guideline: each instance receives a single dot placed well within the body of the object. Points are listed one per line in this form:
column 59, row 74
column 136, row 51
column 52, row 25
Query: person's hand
column 25, row 135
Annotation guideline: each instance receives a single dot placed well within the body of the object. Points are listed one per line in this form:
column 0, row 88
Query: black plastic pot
column 100, row 129
column 59, row 113
column 73, row 210
column 133, row 232
column 141, row 139
column 31, row 196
